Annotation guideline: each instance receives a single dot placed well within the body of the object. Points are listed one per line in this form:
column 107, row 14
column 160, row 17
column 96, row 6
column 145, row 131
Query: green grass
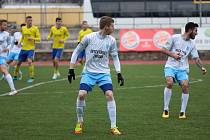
column 47, row 112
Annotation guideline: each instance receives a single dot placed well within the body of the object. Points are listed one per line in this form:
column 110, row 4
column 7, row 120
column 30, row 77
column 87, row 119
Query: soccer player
column 30, row 35
column 60, row 34
column 97, row 46
column 15, row 47
column 178, row 48
column 4, row 43
column 83, row 32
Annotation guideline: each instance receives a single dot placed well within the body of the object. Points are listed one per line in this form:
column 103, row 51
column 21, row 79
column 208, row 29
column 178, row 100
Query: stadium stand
column 143, row 14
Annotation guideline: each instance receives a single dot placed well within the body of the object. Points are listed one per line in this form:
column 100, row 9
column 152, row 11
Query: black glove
column 120, row 79
column 71, row 75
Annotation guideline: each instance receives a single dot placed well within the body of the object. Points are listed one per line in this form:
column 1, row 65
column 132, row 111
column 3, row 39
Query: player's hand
column 30, row 38
column 61, row 41
column 177, row 56
column 204, row 71
column 5, row 50
column 120, row 79
column 71, row 75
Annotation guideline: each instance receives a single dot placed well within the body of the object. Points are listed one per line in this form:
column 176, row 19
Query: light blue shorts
column 91, row 79
column 178, row 75
column 13, row 56
column 2, row 61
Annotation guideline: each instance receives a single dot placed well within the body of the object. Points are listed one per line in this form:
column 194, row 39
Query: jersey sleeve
column 81, row 46
column 67, row 34
column 114, row 54
column 37, row 35
column 79, row 37
column 169, row 44
column 194, row 52
column 113, row 48
column 9, row 42
column 50, row 34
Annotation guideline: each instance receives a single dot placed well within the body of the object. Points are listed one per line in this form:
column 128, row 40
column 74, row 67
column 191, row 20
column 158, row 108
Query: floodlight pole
column 200, row 12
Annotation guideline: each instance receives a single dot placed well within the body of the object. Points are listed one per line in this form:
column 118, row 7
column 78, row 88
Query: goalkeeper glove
column 71, row 75
column 120, row 79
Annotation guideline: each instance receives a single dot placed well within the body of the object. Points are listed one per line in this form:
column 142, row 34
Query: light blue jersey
column 177, row 44
column 15, row 39
column 97, row 49
column 4, row 43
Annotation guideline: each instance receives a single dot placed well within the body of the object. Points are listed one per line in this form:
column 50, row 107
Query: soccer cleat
column 58, row 74
column 30, row 80
column 21, row 75
column 182, row 115
column 165, row 114
column 115, row 131
column 15, row 78
column 78, row 128
column 13, row 92
column 54, row 76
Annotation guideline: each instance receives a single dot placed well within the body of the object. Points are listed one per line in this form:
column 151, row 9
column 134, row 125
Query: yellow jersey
column 58, row 34
column 32, row 32
column 83, row 33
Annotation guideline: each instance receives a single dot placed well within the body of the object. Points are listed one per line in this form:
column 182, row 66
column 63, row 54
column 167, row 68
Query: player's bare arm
column 171, row 54
column 200, row 65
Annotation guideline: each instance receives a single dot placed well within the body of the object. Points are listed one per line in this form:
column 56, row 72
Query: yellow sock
column 55, row 70
column 16, row 71
column 31, row 71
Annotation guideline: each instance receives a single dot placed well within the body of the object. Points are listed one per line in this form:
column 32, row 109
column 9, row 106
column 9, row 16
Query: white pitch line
column 153, row 86
column 36, row 85
column 122, row 88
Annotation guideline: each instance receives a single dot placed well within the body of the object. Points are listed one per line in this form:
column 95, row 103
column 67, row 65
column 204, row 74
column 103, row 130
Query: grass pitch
column 47, row 110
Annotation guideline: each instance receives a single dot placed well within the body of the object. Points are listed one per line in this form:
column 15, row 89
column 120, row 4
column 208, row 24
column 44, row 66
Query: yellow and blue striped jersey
column 58, row 34
column 32, row 32
column 82, row 33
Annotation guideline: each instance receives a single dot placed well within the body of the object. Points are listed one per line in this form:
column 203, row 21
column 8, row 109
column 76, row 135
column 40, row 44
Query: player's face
column 29, row 22
column 3, row 26
column 193, row 33
column 84, row 26
column 12, row 31
column 109, row 29
column 58, row 23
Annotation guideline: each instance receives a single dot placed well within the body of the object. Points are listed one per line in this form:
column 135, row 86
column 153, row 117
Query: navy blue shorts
column 57, row 53
column 25, row 54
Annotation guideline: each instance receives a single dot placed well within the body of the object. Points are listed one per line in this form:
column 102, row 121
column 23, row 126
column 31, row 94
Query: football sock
column 8, row 77
column 20, row 72
column 185, row 98
column 167, row 97
column 80, row 105
column 31, row 71
column 17, row 69
column 111, row 107
column 54, row 69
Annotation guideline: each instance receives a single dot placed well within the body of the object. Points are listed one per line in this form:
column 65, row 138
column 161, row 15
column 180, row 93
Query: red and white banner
column 144, row 39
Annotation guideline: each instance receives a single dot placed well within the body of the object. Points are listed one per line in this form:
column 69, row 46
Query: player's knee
column 169, row 83
column 30, row 63
column 4, row 71
column 82, row 94
column 19, row 63
column 56, row 59
column 109, row 95
column 185, row 86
